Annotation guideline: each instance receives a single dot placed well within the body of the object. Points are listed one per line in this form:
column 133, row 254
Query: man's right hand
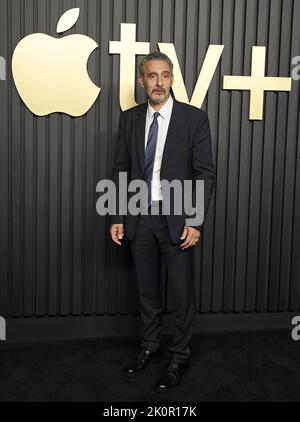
column 117, row 233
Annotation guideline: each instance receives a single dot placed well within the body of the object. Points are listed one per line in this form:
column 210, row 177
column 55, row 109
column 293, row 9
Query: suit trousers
column 150, row 244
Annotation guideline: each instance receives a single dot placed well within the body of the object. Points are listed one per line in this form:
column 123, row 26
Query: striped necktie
column 150, row 154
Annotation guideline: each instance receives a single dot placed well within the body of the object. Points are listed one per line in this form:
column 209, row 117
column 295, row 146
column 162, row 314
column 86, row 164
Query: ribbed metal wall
column 56, row 254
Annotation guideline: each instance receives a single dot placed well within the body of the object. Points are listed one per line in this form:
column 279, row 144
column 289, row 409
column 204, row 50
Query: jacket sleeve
column 202, row 162
column 121, row 164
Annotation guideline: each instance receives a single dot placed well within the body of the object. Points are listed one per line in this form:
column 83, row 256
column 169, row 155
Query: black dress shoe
column 143, row 359
column 172, row 375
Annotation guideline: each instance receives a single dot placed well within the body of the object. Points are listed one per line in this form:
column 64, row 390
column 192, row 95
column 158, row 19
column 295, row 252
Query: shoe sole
column 169, row 390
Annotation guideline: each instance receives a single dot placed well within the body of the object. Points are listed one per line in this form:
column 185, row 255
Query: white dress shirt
column 163, row 121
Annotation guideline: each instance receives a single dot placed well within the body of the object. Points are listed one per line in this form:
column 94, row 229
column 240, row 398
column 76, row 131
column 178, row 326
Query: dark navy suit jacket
column 187, row 155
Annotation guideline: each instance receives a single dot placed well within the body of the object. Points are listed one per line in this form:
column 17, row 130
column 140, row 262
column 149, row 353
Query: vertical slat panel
column 179, row 41
column 295, row 274
column 67, row 160
column 268, row 159
column 29, row 189
column 5, row 137
column 190, row 61
column 213, row 111
column 225, row 264
column 291, row 227
column 256, row 175
column 104, row 141
column 54, row 251
column 279, row 154
column 234, row 135
column 167, row 27
column 244, row 176
column 92, row 236
column 205, row 255
column 78, row 168
column 42, row 128
column 16, row 178
column 143, row 34
column 104, row 262
column 285, row 252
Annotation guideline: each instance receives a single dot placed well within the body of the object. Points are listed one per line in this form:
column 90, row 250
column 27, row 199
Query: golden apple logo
column 51, row 75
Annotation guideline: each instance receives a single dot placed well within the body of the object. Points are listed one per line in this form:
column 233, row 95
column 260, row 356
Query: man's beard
column 158, row 100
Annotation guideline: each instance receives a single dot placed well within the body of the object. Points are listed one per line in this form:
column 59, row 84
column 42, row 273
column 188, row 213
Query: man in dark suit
column 163, row 139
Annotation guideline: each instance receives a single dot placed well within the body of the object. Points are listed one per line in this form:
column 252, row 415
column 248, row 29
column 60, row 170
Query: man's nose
column 159, row 80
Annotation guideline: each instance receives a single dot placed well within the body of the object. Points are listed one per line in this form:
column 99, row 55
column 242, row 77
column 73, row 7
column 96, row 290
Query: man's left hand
column 191, row 237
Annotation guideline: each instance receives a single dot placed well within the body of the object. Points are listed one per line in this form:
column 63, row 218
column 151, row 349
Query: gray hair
column 154, row 55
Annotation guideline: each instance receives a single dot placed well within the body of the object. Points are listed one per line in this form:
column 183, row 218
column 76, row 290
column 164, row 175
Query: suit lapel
column 170, row 143
column 140, row 134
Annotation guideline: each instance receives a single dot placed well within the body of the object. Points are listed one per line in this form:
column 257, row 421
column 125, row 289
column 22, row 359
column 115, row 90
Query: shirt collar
column 165, row 111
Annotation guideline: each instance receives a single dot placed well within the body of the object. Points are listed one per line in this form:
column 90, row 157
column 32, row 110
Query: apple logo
column 50, row 73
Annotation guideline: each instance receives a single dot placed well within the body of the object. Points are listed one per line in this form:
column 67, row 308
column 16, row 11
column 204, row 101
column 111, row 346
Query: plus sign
column 128, row 48
column 257, row 83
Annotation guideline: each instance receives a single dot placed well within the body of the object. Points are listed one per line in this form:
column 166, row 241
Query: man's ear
column 140, row 81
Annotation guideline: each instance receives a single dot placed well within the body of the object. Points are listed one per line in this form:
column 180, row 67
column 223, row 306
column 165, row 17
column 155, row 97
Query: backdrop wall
column 58, row 265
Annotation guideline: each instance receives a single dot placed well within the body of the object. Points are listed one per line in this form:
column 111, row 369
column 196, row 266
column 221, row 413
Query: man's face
column 157, row 80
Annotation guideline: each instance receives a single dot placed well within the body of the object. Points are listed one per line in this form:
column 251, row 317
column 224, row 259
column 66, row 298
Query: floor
column 232, row 366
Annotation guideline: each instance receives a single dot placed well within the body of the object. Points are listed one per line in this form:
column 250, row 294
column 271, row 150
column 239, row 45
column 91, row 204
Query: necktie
column 150, row 154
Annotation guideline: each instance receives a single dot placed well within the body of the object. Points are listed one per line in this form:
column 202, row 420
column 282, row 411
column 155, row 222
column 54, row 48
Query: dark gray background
column 56, row 255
